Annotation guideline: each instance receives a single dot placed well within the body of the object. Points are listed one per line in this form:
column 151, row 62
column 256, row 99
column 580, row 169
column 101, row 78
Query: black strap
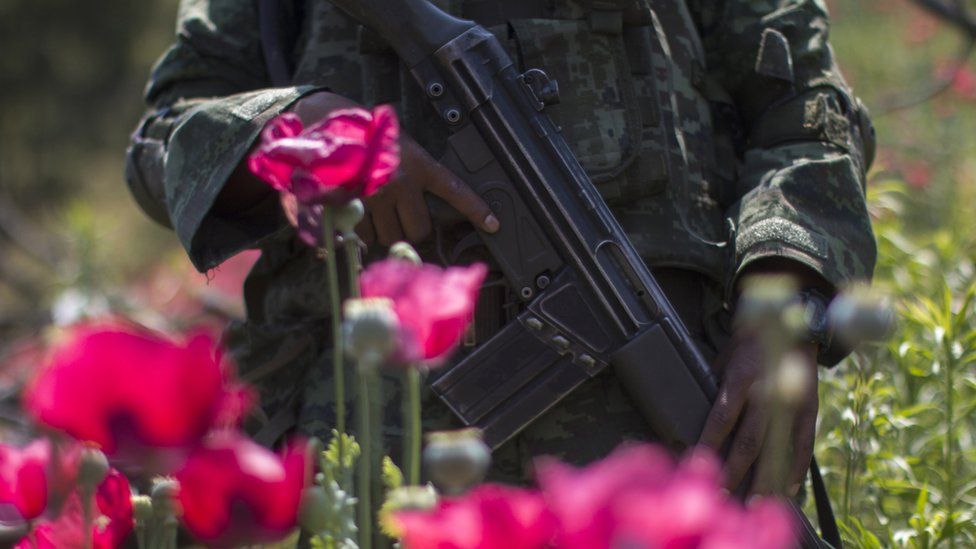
column 825, row 513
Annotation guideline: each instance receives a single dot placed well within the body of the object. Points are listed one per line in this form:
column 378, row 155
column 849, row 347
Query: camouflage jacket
column 721, row 132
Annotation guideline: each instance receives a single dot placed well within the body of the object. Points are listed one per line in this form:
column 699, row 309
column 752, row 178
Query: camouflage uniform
column 721, row 132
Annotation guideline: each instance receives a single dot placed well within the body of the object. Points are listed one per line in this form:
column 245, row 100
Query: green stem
column 338, row 364
column 351, row 243
column 411, row 415
column 87, row 497
column 950, row 437
column 375, row 457
column 364, row 484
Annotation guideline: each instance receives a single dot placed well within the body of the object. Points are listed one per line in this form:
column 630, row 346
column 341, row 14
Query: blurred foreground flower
column 234, row 491
column 350, row 154
column 112, row 519
column 433, row 305
column 488, row 517
column 135, row 395
column 637, row 497
column 24, row 481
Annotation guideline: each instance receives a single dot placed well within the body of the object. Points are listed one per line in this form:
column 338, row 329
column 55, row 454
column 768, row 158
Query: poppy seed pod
column 164, row 493
column 792, row 379
column 348, row 215
column 859, row 315
column 11, row 533
column 371, row 329
column 92, row 468
column 456, row 460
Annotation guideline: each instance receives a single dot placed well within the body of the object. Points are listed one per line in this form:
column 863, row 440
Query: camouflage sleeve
column 806, row 141
column 209, row 98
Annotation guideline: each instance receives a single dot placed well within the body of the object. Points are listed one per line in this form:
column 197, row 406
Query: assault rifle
column 589, row 300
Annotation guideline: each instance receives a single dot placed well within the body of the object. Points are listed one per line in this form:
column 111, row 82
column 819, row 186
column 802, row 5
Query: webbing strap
column 825, row 513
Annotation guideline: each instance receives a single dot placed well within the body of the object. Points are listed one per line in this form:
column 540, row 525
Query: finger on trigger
column 461, row 197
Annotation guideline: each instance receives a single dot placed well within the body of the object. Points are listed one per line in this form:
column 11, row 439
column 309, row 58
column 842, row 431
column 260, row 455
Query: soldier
column 721, row 132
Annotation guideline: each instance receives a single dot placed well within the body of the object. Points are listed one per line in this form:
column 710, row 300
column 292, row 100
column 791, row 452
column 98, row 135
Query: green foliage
column 334, row 471
column 392, row 476
column 339, row 506
column 897, row 428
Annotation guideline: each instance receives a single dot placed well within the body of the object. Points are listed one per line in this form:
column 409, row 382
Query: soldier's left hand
column 739, row 419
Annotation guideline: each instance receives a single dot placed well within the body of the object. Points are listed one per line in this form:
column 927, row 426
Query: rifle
column 589, row 300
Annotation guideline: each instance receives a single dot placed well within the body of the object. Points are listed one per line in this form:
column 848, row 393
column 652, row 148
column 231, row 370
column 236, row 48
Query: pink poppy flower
column 434, row 305
column 638, row 497
column 234, row 491
column 111, row 525
column 24, row 480
column 583, row 499
column 350, row 154
column 488, row 517
column 140, row 398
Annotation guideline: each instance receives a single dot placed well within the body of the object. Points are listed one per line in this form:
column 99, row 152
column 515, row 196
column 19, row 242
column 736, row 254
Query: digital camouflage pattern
column 720, row 131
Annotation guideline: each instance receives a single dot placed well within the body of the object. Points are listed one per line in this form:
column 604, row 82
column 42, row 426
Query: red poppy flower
column 350, row 154
column 111, row 525
column 433, row 305
column 234, row 491
column 134, row 394
column 488, row 517
column 24, row 479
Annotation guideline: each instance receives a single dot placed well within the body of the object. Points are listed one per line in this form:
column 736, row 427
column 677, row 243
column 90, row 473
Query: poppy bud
column 405, row 252
column 315, row 510
column 371, row 330
column 405, row 498
column 456, row 460
column 142, row 508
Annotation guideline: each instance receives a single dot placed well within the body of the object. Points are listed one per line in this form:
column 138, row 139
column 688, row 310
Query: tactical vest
column 636, row 105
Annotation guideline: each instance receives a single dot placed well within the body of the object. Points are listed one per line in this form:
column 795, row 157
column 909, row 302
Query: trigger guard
column 471, row 240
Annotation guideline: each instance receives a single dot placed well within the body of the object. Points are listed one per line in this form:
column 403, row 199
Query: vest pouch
column 598, row 112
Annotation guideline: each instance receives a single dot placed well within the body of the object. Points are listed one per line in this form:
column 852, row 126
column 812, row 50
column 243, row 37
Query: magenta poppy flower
column 350, row 154
column 434, row 305
column 488, row 517
column 111, row 525
column 234, row 491
column 139, row 397
column 24, row 480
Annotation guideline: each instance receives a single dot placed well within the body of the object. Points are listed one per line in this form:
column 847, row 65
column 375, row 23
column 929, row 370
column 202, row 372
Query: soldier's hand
column 739, row 419
column 399, row 210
